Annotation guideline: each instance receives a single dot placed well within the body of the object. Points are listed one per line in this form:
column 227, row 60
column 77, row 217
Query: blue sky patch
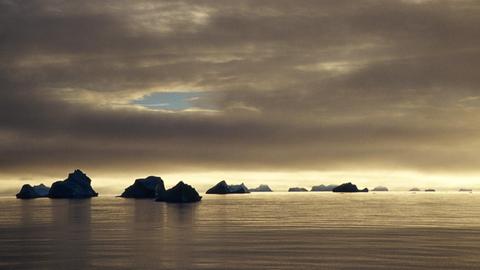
column 175, row 101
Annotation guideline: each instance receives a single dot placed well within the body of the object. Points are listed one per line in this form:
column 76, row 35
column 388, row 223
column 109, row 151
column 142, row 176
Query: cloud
column 303, row 85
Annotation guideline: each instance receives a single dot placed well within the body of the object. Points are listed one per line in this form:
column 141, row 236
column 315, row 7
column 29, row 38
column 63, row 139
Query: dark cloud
column 298, row 85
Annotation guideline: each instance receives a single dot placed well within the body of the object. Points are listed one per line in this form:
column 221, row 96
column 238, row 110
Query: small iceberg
column 348, row 187
column 324, row 187
column 297, row 189
column 261, row 188
column 380, row 188
column 223, row 188
column 31, row 192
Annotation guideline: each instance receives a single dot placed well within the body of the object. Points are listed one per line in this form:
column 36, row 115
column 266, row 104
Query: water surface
column 255, row 231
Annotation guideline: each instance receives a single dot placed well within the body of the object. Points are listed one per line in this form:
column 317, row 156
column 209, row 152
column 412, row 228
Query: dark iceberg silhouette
column 297, row 189
column 261, row 188
column 380, row 188
column 429, row 190
column 31, row 192
column 414, row 189
column 324, row 187
column 223, row 188
column 220, row 188
column 239, row 188
column 349, row 187
column 465, row 190
column 180, row 193
column 76, row 186
column 144, row 188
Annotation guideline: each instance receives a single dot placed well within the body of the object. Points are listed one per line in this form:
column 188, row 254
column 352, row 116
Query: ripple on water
column 254, row 231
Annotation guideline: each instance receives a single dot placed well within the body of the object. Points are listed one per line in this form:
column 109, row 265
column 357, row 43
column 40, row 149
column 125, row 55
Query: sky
column 284, row 93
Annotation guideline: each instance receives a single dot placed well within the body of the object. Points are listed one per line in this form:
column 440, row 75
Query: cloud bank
column 288, row 85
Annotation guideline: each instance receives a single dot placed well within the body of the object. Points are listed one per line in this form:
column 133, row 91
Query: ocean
column 279, row 230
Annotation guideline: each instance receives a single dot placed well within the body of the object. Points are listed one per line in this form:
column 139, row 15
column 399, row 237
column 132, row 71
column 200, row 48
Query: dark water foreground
column 255, row 231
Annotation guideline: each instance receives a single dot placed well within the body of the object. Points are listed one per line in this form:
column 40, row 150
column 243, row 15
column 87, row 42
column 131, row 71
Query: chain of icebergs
column 78, row 186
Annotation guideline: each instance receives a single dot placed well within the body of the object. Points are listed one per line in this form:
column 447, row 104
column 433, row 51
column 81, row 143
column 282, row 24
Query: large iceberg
column 77, row 186
column 180, row 193
column 144, row 188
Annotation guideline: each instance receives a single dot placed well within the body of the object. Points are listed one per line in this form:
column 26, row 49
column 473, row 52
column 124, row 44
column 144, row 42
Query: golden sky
column 277, row 92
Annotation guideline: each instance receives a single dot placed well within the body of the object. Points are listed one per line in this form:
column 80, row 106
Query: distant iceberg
column 380, row 188
column 297, row 189
column 324, row 187
column 348, row 187
column 261, row 188
column 223, row 188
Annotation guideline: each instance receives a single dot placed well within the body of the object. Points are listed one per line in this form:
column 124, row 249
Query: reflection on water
column 255, row 231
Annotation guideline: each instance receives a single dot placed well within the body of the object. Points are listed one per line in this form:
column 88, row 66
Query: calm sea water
column 256, row 231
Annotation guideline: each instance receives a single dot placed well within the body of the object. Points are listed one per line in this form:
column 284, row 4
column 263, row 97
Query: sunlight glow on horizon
column 114, row 183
